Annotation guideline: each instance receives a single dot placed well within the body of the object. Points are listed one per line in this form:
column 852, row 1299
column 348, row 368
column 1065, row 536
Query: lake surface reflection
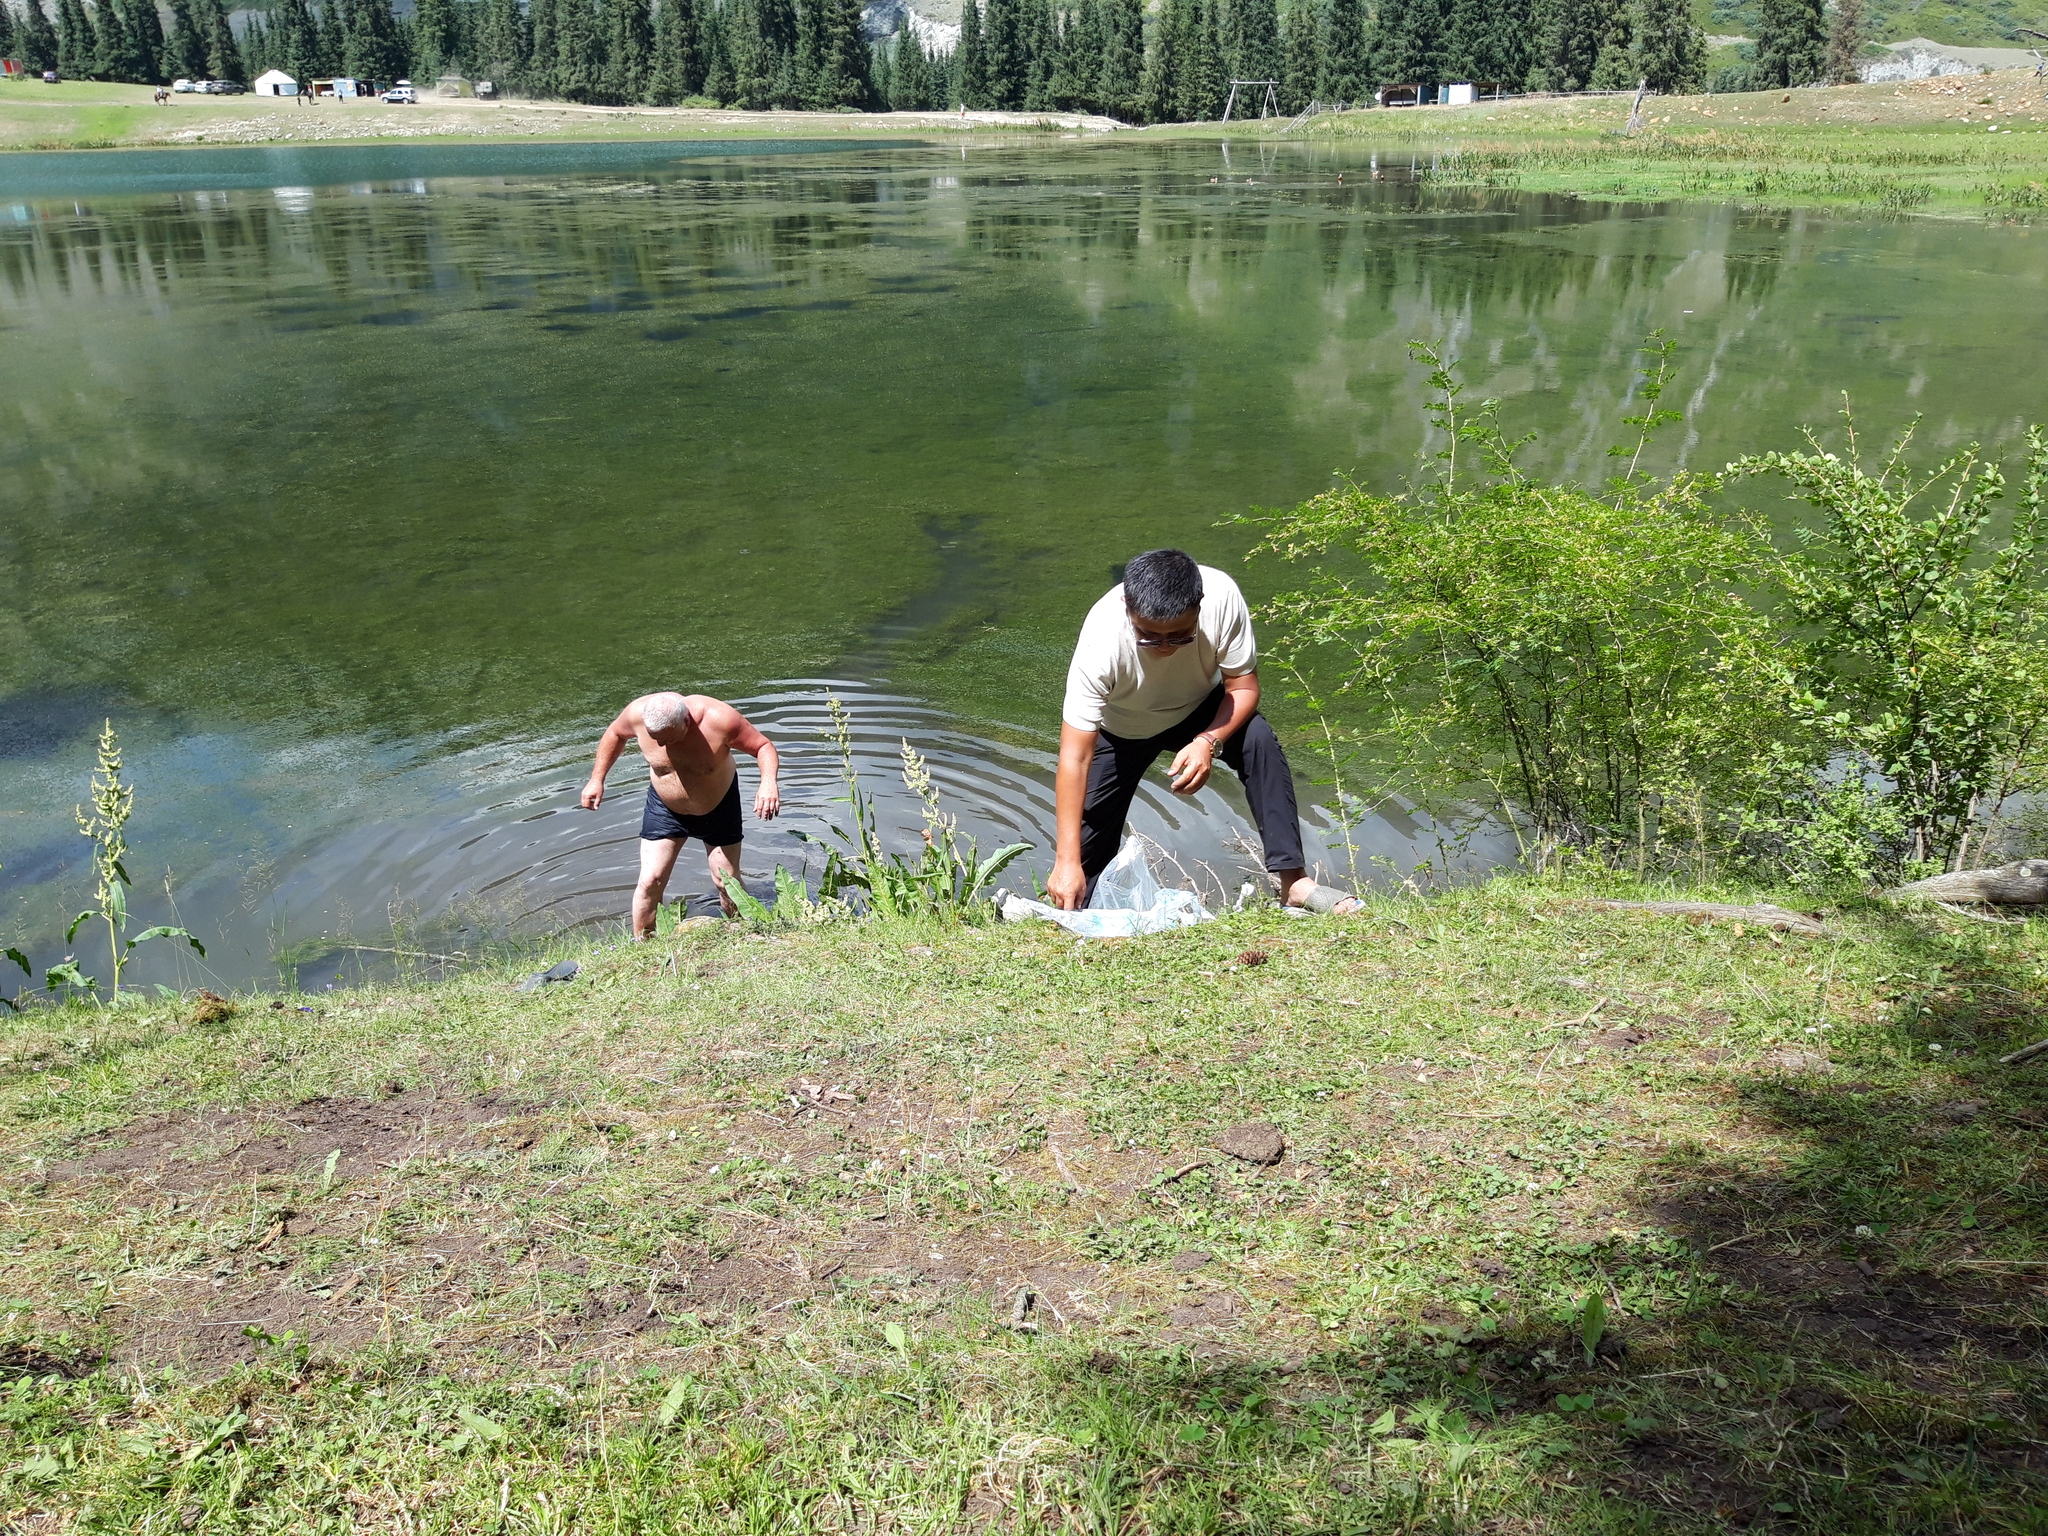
column 360, row 499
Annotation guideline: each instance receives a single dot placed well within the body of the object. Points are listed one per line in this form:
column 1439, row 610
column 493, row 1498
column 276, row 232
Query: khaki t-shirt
column 1113, row 685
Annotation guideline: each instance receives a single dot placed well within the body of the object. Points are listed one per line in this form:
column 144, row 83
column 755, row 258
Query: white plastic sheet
column 1128, row 901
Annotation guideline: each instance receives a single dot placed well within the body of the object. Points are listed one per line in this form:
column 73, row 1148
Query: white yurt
column 276, row 82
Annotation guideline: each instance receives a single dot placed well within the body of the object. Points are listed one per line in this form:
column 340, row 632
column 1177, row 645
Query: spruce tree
column 1670, row 46
column 1005, row 66
column 625, row 50
column 1159, row 85
column 1346, row 69
column 1251, row 41
column 1301, row 56
column 141, row 41
column 1848, row 35
column 717, row 58
column 578, row 58
column 1041, row 53
column 78, row 43
column 503, row 42
column 971, row 66
column 374, row 52
column 677, row 69
column 34, row 38
column 1791, row 43
column 292, row 39
column 333, row 36
column 1123, row 59
column 1204, row 81
column 910, row 87
column 846, row 82
column 1080, row 58
column 542, row 41
column 9, row 49
column 436, row 36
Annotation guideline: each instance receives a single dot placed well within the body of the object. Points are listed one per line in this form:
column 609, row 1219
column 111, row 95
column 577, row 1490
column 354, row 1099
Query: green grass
column 1924, row 149
column 724, row 1235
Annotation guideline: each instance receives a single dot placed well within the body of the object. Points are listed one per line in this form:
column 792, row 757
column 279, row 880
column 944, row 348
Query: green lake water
column 359, row 487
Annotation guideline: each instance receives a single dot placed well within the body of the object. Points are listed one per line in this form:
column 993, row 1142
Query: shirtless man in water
column 694, row 788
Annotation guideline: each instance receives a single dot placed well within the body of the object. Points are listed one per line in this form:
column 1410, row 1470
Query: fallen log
column 1775, row 918
column 2022, row 883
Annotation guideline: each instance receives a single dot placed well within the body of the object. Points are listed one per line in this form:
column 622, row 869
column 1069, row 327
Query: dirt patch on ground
column 194, row 1155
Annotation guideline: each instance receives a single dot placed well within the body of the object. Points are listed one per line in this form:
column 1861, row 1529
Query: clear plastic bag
column 1128, row 901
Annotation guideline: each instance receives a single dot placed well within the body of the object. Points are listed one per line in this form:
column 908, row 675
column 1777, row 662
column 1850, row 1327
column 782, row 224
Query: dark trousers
column 1253, row 754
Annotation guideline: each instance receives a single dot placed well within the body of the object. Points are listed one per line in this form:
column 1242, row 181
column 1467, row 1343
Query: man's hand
column 593, row 794
column 1067, row 884
column 1191, row 765
column 767, row 800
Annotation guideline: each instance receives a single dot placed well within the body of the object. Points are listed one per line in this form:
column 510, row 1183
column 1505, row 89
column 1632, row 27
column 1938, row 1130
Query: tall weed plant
column 1630, row 673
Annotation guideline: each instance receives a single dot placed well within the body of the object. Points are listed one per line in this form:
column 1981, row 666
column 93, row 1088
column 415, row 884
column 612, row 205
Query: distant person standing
column 1166, row 663
column 693, row 788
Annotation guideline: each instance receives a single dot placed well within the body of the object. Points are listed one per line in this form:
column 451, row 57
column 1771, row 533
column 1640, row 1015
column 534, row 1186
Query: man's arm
column 768, row 798
column 1191, row 764
column 1068, row 883
column 616, row 738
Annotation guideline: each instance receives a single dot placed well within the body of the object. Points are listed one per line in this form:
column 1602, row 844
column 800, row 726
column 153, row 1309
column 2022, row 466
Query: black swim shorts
column 719, row 828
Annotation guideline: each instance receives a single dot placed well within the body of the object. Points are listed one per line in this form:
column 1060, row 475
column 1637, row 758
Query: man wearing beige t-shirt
column 1166, row 663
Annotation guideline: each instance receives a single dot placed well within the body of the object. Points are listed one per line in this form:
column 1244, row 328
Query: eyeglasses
column 1166, row 642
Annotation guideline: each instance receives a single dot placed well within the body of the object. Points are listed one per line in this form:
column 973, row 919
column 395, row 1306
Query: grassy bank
column 1928, row 147
column 98, row 115
column 729, row 1234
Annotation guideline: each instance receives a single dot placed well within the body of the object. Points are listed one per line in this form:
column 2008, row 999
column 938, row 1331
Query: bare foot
column 1299, row 890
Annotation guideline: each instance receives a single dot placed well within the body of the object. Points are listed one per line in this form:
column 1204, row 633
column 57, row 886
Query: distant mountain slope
column 1985, row 23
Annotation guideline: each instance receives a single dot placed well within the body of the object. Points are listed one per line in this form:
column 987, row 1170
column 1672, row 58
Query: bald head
column 665, row 714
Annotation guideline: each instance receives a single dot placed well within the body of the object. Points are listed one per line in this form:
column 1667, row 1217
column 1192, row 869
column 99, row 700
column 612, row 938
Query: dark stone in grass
column 1962, row 1112
column 563, row 971
column 1193, row 1259
column 1259, row 1143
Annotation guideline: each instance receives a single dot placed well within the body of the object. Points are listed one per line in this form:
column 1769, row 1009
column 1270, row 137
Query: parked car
column 401, row 96
column 225, row 88
column 50, row 77
column 485, row 91
column 187, row 87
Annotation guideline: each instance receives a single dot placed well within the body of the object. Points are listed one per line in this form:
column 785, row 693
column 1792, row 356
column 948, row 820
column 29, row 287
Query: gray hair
column 664, row 712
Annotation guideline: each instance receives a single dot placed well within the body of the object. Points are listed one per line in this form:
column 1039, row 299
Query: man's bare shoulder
column 714, row 715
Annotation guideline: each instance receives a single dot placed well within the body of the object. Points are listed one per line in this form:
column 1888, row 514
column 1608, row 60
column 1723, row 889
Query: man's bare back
column 688, row 742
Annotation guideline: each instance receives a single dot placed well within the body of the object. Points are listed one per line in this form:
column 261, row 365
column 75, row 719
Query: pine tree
column 9, row 49
column 1347, row 70
column 579, row 58
column 333, row 36
column 1301, row 56
column 373, row 47
column 1004, row 65
column 677, row 70
column 1040, row 36
column 1791, row 44
column 625, row 48
column 1848, row 35
column 134, row 40
column 1159, row 86
column 436, row 36
column 1080, row 58
column 909, row 75
column 503, row 41
column 1670, row 46
column 1123, row 59
column 1251, row 41
column 35, row 37
column 972, row 63
column 845, row 82
column 1204, row 84
column 78, row 44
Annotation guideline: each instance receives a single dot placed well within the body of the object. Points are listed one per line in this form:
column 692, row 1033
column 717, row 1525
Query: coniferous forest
column 1170, row 62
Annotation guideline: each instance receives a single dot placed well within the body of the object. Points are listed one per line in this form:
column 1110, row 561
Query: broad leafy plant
column 113, row 802
column 947, row 877
column 1926, row 632
column 1582, row 660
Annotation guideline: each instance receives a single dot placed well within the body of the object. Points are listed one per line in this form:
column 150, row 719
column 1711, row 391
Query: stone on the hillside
column 1259, row 1143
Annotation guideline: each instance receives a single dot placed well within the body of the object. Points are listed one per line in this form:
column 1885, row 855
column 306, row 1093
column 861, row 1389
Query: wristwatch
column 1215, row 742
